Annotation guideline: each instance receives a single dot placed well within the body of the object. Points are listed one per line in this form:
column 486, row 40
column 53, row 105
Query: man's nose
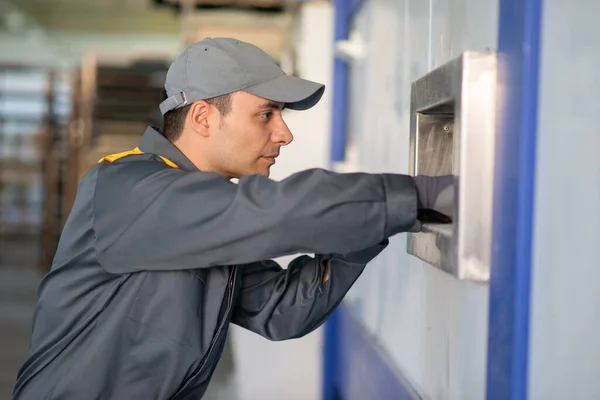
column 282, row 134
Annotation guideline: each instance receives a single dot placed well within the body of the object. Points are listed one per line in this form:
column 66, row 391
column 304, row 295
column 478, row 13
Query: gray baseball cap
column 218, row 66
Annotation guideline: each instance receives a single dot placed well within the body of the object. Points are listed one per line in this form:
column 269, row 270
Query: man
column 161, row 250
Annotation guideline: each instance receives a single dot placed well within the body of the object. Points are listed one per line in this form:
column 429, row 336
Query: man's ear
column 198, row 117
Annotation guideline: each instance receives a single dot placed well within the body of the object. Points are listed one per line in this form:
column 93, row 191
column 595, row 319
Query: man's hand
column 435, row 196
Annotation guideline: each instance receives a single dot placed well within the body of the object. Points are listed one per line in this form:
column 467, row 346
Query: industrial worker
column 162, row 250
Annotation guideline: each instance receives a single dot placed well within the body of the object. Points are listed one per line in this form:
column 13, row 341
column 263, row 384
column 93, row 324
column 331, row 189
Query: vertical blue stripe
column 331, row 350
column 339, row 121
column 339, row 128
column 340, row 105
column 519, row 42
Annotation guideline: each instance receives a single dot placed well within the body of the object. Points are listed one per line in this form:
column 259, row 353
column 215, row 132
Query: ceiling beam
column 259, row 4
column 56, row 17
column 80, row 19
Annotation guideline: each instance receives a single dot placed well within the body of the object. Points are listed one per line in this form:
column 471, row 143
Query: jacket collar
column 154, row 142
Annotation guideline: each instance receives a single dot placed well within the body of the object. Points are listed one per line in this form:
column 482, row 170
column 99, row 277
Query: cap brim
column 296, row 93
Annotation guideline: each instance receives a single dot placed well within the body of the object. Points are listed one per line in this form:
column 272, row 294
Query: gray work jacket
column 156, row 258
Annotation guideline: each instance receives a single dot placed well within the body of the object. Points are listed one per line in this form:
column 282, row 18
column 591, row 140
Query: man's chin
column 262, row 171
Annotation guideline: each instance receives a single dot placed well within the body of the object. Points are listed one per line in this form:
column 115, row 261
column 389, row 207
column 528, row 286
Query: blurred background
column 80, row 79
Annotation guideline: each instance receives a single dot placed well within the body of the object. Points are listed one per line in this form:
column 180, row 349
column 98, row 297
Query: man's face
column 247, row 140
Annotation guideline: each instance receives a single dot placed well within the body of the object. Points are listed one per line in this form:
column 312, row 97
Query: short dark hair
column 174, row 120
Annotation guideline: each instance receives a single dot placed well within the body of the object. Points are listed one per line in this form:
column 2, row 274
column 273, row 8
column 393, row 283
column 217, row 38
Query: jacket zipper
column 213, row 343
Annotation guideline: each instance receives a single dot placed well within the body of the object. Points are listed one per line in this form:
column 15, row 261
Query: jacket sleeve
column 281, row 304
column 149, row 217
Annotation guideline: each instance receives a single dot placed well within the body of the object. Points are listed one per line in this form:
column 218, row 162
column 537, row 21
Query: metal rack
column 114, row 100
column 34, row 108
column 54, row 125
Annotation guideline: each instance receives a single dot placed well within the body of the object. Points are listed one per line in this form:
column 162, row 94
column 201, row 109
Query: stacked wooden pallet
column 267, row 24
column 115, row 100
column 32, row 121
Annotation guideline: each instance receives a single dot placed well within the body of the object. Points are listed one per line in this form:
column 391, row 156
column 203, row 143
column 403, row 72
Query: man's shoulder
column 134, row 162
column 131, row 174
column 134, row 168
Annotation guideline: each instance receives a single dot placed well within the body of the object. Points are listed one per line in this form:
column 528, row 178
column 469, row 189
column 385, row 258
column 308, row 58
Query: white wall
column 433, row 326
column 291, row 370
column 565, row 313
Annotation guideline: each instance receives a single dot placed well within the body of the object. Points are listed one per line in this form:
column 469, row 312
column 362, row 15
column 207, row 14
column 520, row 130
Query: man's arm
column 150, row 217
column 281, row 304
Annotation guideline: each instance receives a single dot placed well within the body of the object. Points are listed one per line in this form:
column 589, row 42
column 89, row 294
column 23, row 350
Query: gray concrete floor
column 18, row 295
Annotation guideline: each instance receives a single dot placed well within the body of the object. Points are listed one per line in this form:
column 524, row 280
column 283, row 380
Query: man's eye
column 266, row 116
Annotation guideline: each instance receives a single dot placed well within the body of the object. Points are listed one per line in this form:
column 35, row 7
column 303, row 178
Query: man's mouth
column 270, row 159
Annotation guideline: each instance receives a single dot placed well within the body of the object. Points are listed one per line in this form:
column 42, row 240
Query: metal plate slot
column 452, row 132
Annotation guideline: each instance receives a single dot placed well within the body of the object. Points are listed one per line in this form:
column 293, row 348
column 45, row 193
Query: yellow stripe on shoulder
column 116, row 156
column 169, row 162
